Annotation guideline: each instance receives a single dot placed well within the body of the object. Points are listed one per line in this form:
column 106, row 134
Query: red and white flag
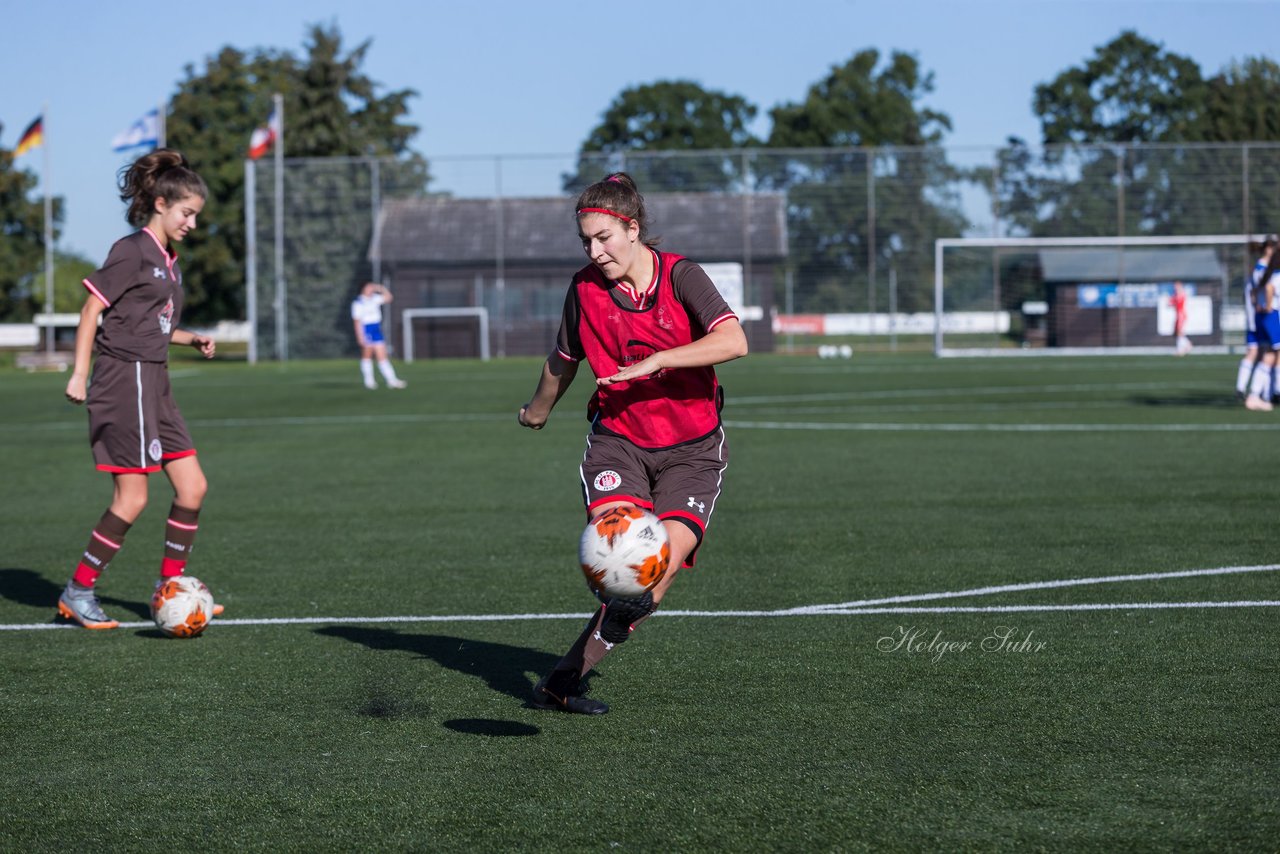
column 264, row 137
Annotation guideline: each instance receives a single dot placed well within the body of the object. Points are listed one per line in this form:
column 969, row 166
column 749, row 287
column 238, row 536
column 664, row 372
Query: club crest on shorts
column 608, row 481
column 154, row 450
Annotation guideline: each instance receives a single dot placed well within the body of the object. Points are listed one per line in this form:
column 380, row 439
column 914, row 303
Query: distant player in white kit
column 366, row 316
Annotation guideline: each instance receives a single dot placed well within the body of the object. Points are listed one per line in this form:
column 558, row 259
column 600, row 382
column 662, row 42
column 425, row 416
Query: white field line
column 1039, row 585
column 857, row 607
column 289, row 421
column 747, row 401
column 949, row 391
column 902, row 427
column 859, row 426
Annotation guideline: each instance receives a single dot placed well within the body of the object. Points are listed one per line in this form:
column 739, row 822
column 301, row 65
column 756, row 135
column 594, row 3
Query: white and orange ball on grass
column 182, row 606
column 624, row 552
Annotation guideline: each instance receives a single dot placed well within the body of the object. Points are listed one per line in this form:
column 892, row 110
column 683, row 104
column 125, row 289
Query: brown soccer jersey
column 141, row 286
column 134, row 424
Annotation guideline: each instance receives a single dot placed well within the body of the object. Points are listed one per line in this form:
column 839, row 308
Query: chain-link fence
column 810, row 231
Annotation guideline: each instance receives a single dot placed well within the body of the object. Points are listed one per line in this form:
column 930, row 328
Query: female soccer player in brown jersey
column 651, row 325
column 129, row 318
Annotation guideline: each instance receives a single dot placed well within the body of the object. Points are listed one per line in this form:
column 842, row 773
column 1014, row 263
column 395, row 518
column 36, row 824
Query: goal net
column 1089, row 295
column 435, row 332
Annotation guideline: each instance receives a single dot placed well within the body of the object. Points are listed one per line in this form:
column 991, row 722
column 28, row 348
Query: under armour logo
column 607, row 646
column 693, row 502
column 157, row 273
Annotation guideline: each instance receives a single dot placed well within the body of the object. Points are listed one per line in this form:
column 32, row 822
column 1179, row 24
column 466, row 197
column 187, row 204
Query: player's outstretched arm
column 722, row 344
column 557, row 375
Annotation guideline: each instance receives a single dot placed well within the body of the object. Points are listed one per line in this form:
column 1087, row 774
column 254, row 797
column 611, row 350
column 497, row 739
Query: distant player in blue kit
column 366, row 316
column 129, row 319
column 1266, row 303
column 1244, row 374
column 651, row 325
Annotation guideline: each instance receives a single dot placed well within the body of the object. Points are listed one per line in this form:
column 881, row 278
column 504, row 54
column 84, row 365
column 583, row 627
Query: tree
column 1242, row 103
column 670, row 116
column 856, row 106
column 1106, row 169
column 1131, row 90
column 69, row 272
column 878, row 195
column 22, row 241
column 331, row 108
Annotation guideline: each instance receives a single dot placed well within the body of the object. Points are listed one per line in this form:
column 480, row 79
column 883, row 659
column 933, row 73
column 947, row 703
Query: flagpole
column 47, row 181
column 282, row 332
column 251, row 254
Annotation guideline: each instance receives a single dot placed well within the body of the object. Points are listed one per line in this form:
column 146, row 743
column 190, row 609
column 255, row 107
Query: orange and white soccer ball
column 624, row 552
column 182, row 606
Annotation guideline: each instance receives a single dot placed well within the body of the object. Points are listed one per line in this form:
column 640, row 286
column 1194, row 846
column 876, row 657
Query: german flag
column 31, row 138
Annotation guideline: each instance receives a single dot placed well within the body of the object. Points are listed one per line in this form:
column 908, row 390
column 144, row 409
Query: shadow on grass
column 485, row 726
column 1203, row 400
column 141, row 609
column 503, row 667
column 28, row 587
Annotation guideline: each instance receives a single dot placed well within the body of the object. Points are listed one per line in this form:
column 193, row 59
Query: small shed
column 512, row 258
column 1113, row 297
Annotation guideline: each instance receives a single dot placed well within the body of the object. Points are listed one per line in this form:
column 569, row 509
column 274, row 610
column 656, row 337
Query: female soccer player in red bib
column 651, row 325
column 135, row 427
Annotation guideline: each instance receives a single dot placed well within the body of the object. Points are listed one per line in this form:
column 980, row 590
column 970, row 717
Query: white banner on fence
column 920, row 323
column 1199, row 316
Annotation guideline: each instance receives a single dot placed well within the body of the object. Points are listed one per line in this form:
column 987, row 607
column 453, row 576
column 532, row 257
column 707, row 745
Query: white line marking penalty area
column 886, row 605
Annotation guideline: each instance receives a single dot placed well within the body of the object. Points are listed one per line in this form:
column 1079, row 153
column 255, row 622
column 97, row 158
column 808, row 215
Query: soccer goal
column 410, row 315
column 1090, row 295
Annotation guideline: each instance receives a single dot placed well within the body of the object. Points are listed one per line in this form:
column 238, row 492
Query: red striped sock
column 105, row 541
column 179, row 538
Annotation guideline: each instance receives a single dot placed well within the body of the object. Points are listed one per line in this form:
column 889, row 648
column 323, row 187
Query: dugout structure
column 1091, row 295
column 514, row 258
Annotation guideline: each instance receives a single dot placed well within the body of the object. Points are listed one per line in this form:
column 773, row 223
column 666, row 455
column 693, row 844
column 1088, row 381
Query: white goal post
column 1149, row 275
column 479, row 312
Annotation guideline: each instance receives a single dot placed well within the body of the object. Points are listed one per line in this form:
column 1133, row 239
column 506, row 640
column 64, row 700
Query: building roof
column 1132, row 265
column 708, row 227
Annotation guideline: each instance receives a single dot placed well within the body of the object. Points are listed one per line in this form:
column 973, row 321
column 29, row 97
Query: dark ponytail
column 162, row 174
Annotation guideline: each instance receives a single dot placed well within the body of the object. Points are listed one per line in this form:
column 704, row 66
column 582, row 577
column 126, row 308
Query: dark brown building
column 1107, row 298
column 514, row 258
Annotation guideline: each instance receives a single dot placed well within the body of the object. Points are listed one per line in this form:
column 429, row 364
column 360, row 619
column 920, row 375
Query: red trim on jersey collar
column 605, row 211
column 171, row 255
column 638, row 297
column 170, row 258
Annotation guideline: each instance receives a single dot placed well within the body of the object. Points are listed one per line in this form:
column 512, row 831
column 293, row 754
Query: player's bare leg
column 683, row 541
column 385, row 368
column 189, row 490
column 611, row 625
column 79, row 599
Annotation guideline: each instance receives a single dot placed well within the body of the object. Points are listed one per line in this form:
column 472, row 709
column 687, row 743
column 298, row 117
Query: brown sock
column 105, row 541
column 179, row 538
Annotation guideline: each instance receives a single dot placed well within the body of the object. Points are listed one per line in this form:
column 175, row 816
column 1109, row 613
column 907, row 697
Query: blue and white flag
column 145, row 131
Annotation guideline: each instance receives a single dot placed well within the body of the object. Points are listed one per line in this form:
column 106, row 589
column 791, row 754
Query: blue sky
column 521, row 78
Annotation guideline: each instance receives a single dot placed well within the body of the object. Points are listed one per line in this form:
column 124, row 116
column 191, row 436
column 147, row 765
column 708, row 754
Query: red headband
column 606, row 211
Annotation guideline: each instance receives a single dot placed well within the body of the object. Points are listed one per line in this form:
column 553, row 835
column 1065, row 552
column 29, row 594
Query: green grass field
column 879, row 649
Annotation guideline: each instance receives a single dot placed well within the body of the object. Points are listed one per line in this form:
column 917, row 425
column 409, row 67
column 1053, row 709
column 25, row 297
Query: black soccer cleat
column 566, row 697
column 620, row 614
